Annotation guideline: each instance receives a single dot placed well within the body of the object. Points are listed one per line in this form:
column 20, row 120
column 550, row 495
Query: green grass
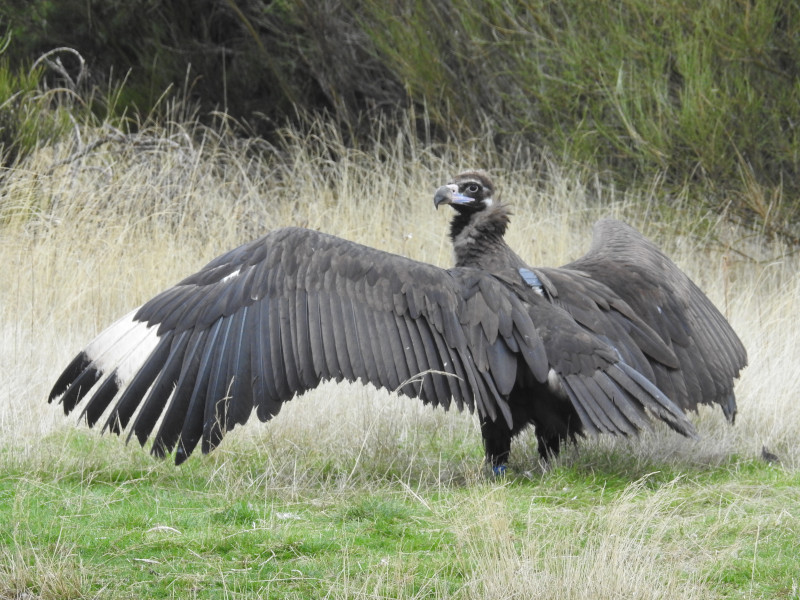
column 101, row 521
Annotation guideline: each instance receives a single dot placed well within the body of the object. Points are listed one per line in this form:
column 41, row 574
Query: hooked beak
column 448, row 194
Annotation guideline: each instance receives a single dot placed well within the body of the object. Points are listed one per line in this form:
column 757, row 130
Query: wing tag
column 532, row 280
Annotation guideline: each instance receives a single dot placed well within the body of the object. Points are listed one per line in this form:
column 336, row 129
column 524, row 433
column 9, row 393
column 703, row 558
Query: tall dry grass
column 94, row 226
column 89, row 231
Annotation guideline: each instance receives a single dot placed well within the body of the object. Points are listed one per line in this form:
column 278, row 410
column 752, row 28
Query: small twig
column 57, row 66
column 5, row 41
column 84, row 151
column 131, row 140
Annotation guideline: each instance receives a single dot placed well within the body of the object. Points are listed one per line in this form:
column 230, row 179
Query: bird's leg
column 549, row 446
column 496, row 443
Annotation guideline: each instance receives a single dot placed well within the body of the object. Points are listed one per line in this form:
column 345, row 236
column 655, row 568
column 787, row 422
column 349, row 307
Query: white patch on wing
column 231, row 275
column 111, row 334
column 135, row 358
column 554, row 382
column 124, row 346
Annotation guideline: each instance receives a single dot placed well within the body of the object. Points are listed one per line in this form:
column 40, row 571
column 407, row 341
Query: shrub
column 700, row 93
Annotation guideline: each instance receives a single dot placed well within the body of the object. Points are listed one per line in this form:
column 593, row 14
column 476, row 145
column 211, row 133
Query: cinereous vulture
column 601, row 345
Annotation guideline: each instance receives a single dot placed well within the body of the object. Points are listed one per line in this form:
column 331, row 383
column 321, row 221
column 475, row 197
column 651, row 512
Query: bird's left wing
column 273, row 318
column 709, row 354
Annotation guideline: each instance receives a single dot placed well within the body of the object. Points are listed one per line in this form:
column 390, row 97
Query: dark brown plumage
column 600, row 345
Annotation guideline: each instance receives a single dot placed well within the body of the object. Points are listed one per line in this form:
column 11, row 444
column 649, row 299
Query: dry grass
column 85, row 242
column 88, row 240
column 619, row 551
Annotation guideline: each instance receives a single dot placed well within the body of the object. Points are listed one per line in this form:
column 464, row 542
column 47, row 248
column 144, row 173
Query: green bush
column 700, row 93
column 27, row 117
column 704, row 92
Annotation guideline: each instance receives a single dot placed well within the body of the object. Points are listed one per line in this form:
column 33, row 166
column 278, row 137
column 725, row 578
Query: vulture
column 605, row 344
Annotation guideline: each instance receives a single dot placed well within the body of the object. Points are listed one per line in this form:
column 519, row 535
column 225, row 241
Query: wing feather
column 130, row 399
column 266, row 395
column 240, row 369
column 159, row 393
column 170, row 427
column 196, row 413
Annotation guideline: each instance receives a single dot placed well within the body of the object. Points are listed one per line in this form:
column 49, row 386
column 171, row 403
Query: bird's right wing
column 598, row 353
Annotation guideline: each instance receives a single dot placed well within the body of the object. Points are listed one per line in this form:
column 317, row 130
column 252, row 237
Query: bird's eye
column 473, row 188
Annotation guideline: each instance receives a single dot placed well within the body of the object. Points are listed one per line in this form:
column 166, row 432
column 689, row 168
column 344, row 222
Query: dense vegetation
column 701, row 96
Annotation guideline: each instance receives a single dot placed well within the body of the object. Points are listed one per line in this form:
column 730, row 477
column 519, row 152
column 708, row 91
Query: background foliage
column 701, row 94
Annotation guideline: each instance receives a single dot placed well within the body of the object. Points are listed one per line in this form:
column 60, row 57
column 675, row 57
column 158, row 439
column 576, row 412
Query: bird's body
column 599, row 346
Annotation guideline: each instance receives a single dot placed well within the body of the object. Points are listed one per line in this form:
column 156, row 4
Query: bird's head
column 468, row 192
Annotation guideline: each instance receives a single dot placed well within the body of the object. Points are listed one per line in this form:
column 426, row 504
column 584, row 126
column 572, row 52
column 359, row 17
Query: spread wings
column 274, row 317
column 708, row 354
